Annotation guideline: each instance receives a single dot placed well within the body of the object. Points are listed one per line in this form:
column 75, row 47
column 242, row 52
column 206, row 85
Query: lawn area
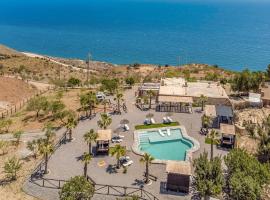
column 143, row 126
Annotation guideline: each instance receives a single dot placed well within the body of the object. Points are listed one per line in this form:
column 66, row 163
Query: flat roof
column 104, row 135
column 179, row 87
column 227, row 129
column 178, row 167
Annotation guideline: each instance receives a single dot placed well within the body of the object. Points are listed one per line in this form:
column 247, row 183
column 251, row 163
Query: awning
column 178, row 167
column 104, row 135
column 175, row 99
column 227, row 129
column 210, row 111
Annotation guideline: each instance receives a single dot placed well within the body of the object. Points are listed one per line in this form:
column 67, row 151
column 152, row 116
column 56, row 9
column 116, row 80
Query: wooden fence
column 18, row 106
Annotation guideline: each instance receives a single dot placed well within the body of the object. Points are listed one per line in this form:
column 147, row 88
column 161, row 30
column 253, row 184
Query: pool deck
column 189, row 153
column 64, row 163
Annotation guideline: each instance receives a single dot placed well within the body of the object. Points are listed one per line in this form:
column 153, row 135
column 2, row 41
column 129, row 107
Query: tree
column 246, row 81
column 77, row 188
column 74, row 82
column 90, row 137
column 202, row 100
column 11, row 168
column 118, row 151
column 147, row 159
column 71, row 124
column 3, row 147
column 45, row 149
column 37, row 104
column 105, row 121
column 88, row 101
column 130, row 81
column 213, row 140
column 246, row 175
column 56, row 107
column 206, row 121
column 33, row 146
column 110, row 85
column 49, row 132
column 17, row 136
column 86, row 158
column 119, row 98
column 208, row 176
column 5, row 125
column 151, row 94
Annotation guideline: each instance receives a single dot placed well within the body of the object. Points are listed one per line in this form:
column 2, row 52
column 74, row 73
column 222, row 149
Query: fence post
column 108, row 192
column 125, row 191
column 59, row 186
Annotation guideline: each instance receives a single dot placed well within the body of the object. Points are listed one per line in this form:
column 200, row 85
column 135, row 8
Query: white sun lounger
column 168, row 132
column 126, row 127
column 161, row 133
column 152, row 121
column 169, row 119
column 165, row 120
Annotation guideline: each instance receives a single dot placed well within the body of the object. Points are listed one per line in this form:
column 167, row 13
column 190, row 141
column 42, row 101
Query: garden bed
column 143, row 126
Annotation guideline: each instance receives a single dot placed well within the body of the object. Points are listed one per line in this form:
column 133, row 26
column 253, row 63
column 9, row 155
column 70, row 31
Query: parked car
column 117, row 139
column 126, row 161
column 100, row 96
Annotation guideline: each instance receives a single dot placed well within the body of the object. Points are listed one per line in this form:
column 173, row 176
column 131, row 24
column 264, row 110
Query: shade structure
column 175, row 99
column 104, row 135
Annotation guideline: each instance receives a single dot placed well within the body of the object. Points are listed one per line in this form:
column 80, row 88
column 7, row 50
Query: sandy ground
column 13, row 190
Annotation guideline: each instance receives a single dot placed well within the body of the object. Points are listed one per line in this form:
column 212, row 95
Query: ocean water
column 234, row 35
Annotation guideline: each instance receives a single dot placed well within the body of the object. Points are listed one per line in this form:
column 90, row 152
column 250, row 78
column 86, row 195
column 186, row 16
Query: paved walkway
column 64, row 162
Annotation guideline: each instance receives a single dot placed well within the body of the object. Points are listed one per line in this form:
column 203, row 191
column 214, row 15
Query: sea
column 231, row 34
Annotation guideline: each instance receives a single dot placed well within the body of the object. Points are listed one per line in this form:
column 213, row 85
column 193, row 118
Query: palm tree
column 118, row 151
column 105, row 102
column 105, row 121
column 49, row 133
column 71, row 124
column 150, row 94
column 86, row 158
column 213, row 136
column 119, row 99
column 45, row 148
column 147, row 159
column 206, row 121
column 88, row 100
column 90, row 137
column 203, row 99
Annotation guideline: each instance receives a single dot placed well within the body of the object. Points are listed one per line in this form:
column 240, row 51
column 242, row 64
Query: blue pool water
column 234, row 34
column 165, row 147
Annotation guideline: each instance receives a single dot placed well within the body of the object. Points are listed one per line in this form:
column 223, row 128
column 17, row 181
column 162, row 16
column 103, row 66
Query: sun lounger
column 168, row 132
column 147, row 121
column 126, row 127
column 169, row 119
column 161, row 133
column 165, row 120
column 152, row 121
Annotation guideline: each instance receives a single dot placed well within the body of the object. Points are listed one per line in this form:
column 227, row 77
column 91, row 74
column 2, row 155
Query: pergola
column 103, row 140
column 173, row 103
column 228, row 134
column 178, row 176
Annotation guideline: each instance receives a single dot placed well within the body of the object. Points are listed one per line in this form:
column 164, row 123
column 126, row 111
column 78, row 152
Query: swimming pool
column 165, row 144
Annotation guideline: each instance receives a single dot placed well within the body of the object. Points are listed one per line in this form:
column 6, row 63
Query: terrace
column 65, row 163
